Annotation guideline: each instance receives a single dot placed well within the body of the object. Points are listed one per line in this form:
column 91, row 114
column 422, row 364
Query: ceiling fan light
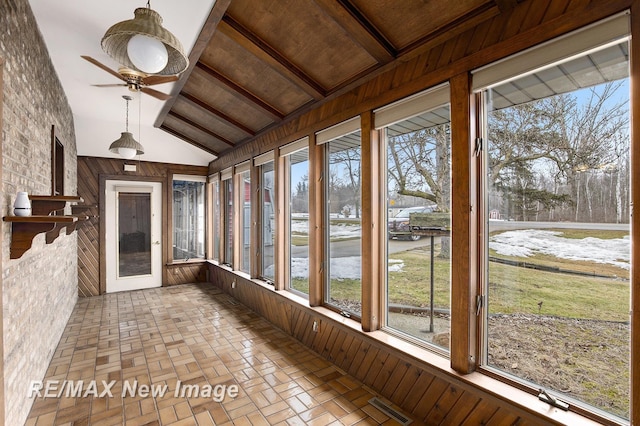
column 147, row 54
column 127, row 153
column 126, row 146
column 147, row 22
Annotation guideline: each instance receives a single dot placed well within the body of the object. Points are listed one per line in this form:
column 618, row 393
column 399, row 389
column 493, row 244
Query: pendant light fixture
column 126, row 146
column 144, row 45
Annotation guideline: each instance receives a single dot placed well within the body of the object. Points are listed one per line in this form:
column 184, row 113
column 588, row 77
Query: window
column 343, row 284
column 188, row 217
column 243, row 181
column 556, row 190
column 215, row 188
column 416, row 133
column 267, row 219
column 296, row 160
column 227, row 216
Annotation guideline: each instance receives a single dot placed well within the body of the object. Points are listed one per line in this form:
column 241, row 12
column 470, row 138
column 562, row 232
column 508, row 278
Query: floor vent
column 394, row 414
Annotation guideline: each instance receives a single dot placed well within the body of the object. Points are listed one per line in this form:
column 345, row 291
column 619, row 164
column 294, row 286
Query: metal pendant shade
column 147, row 22
column 126, row 143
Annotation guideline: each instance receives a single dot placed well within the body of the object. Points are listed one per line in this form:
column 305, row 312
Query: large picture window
column 188, row 217
column 417, row 134
column 557, row 187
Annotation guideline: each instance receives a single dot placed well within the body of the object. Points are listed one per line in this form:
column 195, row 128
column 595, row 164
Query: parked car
column 398, row 226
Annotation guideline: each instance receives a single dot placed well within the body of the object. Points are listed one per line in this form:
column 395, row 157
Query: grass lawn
column 520, row 290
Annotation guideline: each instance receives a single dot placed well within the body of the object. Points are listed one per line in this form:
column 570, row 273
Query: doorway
column 133, row 237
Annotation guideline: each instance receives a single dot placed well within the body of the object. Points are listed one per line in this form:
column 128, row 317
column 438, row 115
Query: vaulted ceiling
column 257, row 64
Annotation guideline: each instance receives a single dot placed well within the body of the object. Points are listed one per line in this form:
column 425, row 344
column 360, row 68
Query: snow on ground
column 339, row 231
column 528, row 242
column 517, row 243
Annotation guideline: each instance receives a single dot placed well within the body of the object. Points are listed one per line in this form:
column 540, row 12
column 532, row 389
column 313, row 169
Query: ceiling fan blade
column 109, row 85
column 158, row 79
column 103, row 67
column 155, row 93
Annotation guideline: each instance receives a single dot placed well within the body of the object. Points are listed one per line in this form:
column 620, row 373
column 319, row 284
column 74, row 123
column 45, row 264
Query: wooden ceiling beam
column 203, row 129
column 224, row 117
column 361, row 30
column 179, row 135
column 208, row 29
column 255, row 101
column 263, row 51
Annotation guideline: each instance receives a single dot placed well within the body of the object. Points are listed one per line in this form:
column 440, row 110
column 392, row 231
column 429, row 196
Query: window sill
column 185, row 262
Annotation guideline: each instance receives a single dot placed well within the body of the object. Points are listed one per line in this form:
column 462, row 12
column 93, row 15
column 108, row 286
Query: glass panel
column 267, row 201
column 419, row 194
column 228, row 222
column 216, row 220
column 188, row 220
column 245, row 221
column 134, row 234
column 299, row 221
column 344, row 285
column 558, row 188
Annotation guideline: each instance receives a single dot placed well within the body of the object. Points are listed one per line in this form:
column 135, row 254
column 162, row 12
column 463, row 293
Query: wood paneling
column 90, row 257
column 264, row 62
column 437, row 60
column 424, row 393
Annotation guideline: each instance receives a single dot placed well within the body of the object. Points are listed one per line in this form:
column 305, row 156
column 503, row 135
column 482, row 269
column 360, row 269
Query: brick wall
column 39, row 290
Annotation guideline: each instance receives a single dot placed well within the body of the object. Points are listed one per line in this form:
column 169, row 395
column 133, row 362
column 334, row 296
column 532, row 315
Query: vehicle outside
column 398, row 226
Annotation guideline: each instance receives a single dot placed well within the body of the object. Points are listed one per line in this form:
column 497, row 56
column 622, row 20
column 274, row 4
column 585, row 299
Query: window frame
column 594, row 37
column 396, row 112
column 259, row 219
column 283, row 224
column 323, row 140
column 190, row 178
column 227, row 256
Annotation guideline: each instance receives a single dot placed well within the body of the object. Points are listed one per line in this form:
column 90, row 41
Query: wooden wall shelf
column 47, row 204
column 43, row 219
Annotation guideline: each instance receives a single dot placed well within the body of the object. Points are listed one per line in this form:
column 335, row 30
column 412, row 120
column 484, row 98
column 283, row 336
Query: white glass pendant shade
column 127, row 153
column 147, row 54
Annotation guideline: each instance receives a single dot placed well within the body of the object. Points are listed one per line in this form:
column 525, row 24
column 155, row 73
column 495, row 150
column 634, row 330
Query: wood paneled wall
column 89, row 251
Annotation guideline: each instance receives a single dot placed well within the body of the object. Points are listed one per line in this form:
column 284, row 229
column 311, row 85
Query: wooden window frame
column 57, row 163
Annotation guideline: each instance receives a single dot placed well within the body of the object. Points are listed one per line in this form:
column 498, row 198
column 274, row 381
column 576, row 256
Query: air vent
column 394, row 414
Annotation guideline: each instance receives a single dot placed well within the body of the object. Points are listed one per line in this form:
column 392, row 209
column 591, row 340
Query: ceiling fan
column 136, row 81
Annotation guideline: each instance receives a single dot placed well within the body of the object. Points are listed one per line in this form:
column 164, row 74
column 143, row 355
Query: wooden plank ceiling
column 258, row 63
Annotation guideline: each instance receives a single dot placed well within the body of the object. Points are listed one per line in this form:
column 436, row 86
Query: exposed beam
column 447, row 31
column 208, row 29
column 359, row 28
column 179, row 135
column 263, row 51
column 253, row 99
column 203, row 129
column 229, row 120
